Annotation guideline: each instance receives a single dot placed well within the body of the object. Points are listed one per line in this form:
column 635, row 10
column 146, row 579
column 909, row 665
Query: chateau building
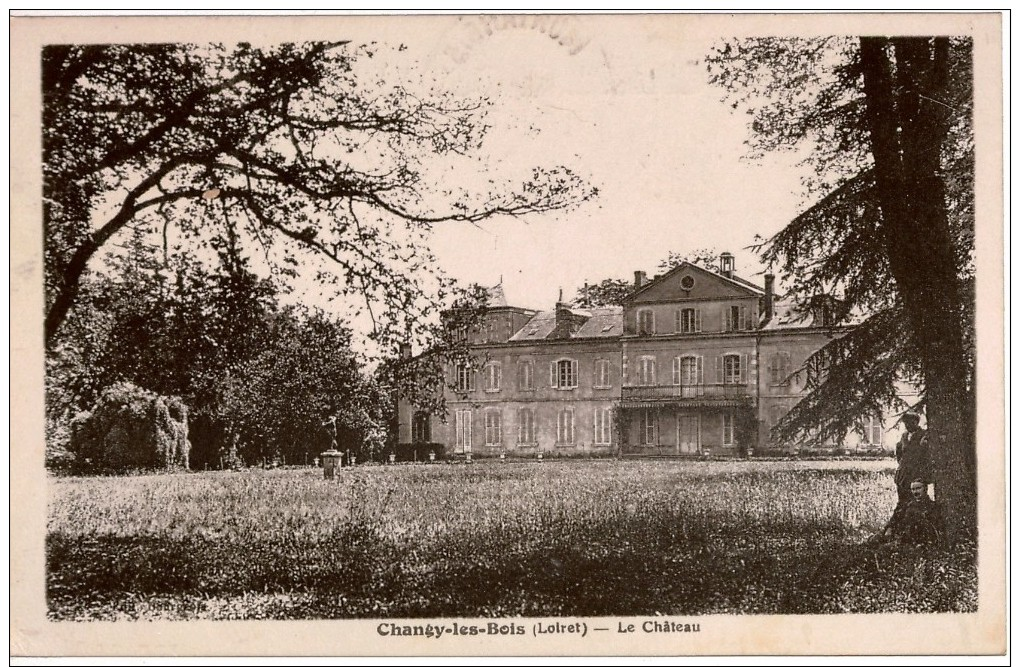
column 696, row 362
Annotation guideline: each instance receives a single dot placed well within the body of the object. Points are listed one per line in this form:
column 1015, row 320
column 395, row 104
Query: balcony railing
column 687, row 391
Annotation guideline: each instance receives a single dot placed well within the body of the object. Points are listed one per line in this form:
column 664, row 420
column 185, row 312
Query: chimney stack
column 639, row 279
column 726, row 264
column 770, row 296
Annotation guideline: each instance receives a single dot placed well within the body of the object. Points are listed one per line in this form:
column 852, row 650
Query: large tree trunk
column 908, row 124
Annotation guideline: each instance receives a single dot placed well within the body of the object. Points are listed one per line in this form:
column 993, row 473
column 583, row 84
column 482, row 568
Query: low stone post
column 331, row 462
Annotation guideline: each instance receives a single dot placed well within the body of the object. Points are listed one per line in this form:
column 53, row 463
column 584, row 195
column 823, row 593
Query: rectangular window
column 728, row 429
column 493, row 428
column 526, row 426
column 689, row 374
column 733, row 369
column 564, row 374
column 873, row 431
column 736, row 318
column 603, row 426
column 779, row 369
column 648, row 427
column 565, row 427
column 525, row 376
column 646, row 371
column 646, row 322
column 493, row 377
column 421, row 427
column 688, row 320
column 463, row 429
column 602, row 374
column 465, row 378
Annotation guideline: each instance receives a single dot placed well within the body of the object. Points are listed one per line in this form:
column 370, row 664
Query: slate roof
column 604, row 323
column 601, row 323
column 496, row 298
column 787, row 315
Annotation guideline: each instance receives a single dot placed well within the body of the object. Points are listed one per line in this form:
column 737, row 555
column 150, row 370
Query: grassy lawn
column 491, row 540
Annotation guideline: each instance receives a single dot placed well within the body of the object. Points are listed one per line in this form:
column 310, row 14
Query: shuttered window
column 526, row 426
column 493, row 428
column 563, row 374
column 565, row 427
column 688, row 320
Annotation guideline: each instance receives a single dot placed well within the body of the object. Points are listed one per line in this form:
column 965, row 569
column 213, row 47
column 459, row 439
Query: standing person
column 912, row 456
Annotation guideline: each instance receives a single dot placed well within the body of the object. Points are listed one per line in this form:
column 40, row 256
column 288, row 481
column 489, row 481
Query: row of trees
column 259, row 378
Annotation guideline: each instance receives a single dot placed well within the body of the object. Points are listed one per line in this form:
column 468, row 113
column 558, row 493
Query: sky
column 624, row 101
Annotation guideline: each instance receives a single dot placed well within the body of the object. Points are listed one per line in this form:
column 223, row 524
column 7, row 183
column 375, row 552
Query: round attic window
column 687, row 282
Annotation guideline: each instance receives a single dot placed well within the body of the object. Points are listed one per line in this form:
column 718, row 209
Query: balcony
column 720, row 395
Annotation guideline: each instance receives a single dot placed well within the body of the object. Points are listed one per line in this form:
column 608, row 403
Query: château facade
column 696, row 362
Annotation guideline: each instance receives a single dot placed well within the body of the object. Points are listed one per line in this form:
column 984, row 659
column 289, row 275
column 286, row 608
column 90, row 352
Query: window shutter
column 552, row 373
column 745, row 323
column 743, row 368
column 700, row 370
column 719, row 370
column 574, row 374
column 697, row 319
column 676, row 370
column 677, row 327
column 573, row 431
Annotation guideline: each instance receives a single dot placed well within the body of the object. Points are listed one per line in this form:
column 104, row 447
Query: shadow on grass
column 355, row 573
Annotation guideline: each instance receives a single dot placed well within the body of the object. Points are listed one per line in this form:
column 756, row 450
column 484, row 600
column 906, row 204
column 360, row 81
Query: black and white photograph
column 507, row 334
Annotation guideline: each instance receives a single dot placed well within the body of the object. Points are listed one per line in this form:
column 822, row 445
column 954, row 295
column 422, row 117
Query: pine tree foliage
column 885, row 127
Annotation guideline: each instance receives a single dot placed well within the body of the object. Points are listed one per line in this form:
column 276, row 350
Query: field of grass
column 490, row 540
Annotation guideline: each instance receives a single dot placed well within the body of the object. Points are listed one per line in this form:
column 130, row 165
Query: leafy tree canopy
column 299, row 154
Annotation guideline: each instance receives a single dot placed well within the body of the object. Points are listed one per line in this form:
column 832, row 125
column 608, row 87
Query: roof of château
column 538, row 327
column 496, row 297
column 603, row 323
column 600, row 323
column 788, row 314
column 792, row 314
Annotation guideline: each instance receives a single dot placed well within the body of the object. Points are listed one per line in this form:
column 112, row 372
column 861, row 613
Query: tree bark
column 904, row 82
